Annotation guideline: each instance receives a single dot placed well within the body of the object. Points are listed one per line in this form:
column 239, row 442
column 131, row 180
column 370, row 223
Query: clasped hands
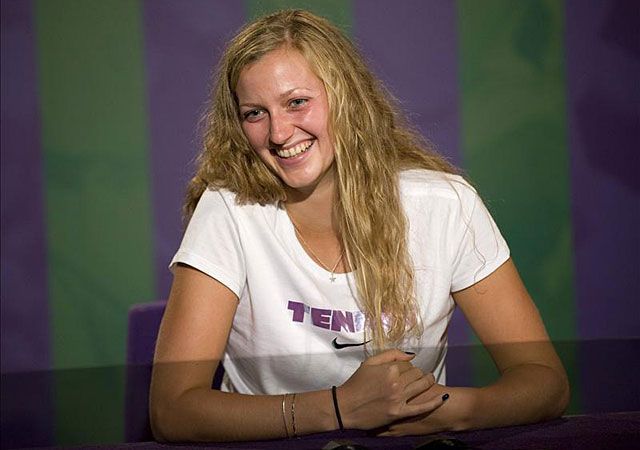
column 387, row 390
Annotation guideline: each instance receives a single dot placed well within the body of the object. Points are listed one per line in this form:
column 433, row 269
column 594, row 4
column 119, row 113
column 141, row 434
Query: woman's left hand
column 532, row 385
column 424, row 423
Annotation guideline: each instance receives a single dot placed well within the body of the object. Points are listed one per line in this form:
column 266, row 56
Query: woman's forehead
column 277, row 73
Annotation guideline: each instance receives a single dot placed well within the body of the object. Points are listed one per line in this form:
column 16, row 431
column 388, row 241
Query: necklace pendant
column 332, row 277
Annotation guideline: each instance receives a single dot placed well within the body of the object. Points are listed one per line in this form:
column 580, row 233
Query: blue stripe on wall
column 417, row 58
column 183, row 42
column 27, row 403
column 412, row 47
column 603, row 68
column 603, row 65
column 25, row 311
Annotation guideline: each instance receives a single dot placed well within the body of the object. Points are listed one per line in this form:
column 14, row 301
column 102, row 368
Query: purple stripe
column 603, row 66
column 25, row 312
column 183, row 41
column 26, row 350
column 412, row 47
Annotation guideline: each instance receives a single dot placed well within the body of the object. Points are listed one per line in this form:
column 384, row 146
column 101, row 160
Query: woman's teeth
column 291, row 152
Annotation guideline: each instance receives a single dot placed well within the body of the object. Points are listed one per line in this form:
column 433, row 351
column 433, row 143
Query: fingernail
column 410, row 353
column 445, row 397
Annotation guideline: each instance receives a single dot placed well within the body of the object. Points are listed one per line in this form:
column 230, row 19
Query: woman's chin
column 300, row 185
column 308, row 184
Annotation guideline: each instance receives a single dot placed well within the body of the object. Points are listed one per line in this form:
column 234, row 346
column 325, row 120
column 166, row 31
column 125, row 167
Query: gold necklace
column 306, row 245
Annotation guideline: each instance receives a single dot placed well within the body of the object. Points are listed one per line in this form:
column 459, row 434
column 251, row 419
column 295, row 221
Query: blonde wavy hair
column 372, row 145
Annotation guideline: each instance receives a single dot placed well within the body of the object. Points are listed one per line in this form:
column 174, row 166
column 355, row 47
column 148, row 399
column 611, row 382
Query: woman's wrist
column 463, row 408
column 457, row 413
column 314, row 412
column 347, row 407
column 336, row 407
column 344, row 409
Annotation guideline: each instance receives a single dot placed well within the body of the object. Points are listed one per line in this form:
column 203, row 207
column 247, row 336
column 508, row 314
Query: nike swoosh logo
column 339, row 346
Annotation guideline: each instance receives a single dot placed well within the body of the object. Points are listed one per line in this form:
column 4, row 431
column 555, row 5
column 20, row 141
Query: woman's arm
column 191, row 342
column 533, row 385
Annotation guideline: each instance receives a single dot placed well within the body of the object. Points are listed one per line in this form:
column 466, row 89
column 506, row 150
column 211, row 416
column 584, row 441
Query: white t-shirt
column 290, row 314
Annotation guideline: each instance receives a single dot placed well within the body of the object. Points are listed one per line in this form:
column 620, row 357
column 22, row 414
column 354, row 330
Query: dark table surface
column 594, row 431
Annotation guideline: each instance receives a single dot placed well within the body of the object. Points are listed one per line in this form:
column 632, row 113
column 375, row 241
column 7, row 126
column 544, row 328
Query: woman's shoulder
column 218, row 208
column 214, row 197
column 434, row 185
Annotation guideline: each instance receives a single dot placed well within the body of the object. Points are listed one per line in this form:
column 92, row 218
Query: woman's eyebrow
column 285, row 94
column 249, row 105
column 291, row 91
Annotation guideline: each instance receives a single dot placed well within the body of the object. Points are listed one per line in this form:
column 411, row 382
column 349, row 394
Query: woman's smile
column 293, row 152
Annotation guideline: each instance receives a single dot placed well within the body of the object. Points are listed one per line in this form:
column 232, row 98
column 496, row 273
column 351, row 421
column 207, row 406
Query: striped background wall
column 537, row 100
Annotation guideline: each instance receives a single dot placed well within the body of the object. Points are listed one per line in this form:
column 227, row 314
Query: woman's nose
column 281, row 129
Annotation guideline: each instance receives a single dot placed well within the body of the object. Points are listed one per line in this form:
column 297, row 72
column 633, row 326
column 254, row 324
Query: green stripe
column 95, row 147
column 514, row 142
column 339, row 12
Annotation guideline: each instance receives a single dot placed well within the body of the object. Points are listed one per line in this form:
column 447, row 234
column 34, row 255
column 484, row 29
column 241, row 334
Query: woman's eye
column 298, row 102
column 252, row 115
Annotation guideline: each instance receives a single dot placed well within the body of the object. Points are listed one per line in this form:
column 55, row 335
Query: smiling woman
column 285, row 117
column 326, row 250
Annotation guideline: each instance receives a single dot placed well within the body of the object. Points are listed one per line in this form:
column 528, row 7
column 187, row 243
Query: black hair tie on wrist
column 335, row 405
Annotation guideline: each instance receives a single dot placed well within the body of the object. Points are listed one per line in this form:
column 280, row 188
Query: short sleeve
column 212, row 244
column 481, row 248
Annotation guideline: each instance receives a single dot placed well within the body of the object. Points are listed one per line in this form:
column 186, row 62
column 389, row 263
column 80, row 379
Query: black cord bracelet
column 335, row 405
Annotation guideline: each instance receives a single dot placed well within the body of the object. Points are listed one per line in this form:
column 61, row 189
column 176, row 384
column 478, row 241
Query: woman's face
column 285, row 115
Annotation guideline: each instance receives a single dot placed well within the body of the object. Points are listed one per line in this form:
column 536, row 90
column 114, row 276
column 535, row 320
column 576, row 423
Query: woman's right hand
column 379, row 391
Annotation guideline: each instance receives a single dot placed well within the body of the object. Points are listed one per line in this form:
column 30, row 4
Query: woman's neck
column 313, row 210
